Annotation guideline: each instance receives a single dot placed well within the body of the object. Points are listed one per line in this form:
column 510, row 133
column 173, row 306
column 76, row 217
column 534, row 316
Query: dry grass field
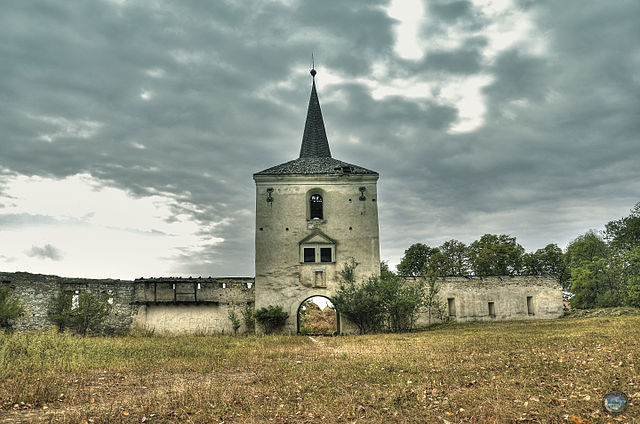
column 551, row 371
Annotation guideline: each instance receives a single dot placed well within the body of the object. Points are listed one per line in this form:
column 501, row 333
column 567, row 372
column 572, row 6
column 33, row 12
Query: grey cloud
column 559, row 137
column 45, row 252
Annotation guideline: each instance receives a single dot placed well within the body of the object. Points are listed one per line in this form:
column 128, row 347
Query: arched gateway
column 318, row 317
column 313, row 215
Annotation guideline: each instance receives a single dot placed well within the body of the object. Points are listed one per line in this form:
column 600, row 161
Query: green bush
column 389, row 302
column 10, row 307
column 271, row 318
column 248, row 316
column 235, row 320
column 87, row 315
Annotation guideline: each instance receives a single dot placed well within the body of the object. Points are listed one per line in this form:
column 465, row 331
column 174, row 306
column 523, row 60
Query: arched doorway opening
column 318, row 317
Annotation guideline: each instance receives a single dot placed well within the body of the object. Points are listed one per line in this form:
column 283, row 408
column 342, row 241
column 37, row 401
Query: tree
column 457, row 258
column 624, row 233
column 91, row 311
column 547, row 261
column 496, row 255
column 386, row 302
column 10, row 307
column 416, row 259
column 432, row 302
column 358, row 302
column 86, row 315
column 585, row 249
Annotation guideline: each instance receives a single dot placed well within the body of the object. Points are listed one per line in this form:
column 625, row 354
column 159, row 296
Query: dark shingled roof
column 315, row 155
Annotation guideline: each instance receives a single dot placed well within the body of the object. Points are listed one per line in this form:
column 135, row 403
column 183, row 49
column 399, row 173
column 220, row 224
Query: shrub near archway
column 271, row 318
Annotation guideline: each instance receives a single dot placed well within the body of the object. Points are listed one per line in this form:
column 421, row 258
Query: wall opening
column 315, row 206
column 492, row 309
column 530, row 308
column 318, row 317
column 451, row 304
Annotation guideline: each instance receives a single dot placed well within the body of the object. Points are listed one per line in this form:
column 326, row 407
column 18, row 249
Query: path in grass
column 500, row 372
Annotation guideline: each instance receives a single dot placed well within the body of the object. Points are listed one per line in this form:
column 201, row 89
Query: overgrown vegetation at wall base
column 83, row 314
column 271, row 318
column 387, row 302
column 10, row 307
column 504, row 372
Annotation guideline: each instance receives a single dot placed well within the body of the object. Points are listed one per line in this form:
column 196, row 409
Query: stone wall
column 202, row 305
column 36, row 293
column 512, row 298
column 160, row 305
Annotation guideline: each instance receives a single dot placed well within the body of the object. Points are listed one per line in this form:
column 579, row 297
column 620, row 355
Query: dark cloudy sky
column 130, row 130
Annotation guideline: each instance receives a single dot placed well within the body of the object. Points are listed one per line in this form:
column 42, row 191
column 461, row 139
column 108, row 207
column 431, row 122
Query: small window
column 451, row 302
column 319, row 279
column 325, row 254
column 309, row 254
column 530, row 310
column 492, row 310
column 315, row 206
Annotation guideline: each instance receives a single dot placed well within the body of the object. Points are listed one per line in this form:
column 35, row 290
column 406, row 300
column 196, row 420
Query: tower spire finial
column 313, row 67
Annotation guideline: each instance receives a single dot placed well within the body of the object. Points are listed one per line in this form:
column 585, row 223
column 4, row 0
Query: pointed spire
column 314, row 139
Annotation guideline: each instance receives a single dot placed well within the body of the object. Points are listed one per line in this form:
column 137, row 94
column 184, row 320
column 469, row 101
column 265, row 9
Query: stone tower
column 313, row 214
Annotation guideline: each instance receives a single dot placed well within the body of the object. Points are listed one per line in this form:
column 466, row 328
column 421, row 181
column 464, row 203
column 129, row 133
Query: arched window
column 315, row 206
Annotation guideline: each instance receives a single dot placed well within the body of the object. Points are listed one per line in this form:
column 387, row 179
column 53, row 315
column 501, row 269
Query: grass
column 546, row 371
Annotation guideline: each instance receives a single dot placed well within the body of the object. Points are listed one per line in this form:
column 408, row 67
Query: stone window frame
column 317, row 247
column 323, row 271
column 309, row 194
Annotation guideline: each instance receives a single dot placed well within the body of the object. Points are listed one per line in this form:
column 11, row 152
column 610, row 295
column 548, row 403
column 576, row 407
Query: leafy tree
column 432, row 302
column 389, row 302
column 314, row 320
column 359, row 302
column 624, row 233
column 457, row 258
column 271, row 318
column 547, row 261
column 416, row 259
column 60, row 310
column 595, row 285
column 496, row 255
column 87, row 315
column 585, row 249
column 631, row 275
column 10, row 307
column 90, row 313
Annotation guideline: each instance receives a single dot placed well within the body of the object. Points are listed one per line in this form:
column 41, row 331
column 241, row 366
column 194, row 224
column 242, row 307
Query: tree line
column 602, row 269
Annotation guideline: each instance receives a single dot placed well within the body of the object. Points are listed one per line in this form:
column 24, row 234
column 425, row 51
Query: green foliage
column 359, row 302
column 271, row 318
column 388, row 302
column 496, row 255
column 10, row 307
column 235, row 320
column 432, row 303
column 547, row 261
column 455, row 259
column 87, row 316
column 248, row 316
column 624, row 233
column 416, row 259
column 586, row 249
column 60, row 311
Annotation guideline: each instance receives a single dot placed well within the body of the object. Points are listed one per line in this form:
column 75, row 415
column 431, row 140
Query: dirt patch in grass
column 547, row 371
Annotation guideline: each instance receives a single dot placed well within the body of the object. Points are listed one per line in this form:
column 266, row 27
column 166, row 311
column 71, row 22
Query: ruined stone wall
column 160, row 305
column 513, row 298
column 36, row 293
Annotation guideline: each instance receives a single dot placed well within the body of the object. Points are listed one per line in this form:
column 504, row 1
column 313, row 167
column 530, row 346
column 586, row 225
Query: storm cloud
column 518, row 120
